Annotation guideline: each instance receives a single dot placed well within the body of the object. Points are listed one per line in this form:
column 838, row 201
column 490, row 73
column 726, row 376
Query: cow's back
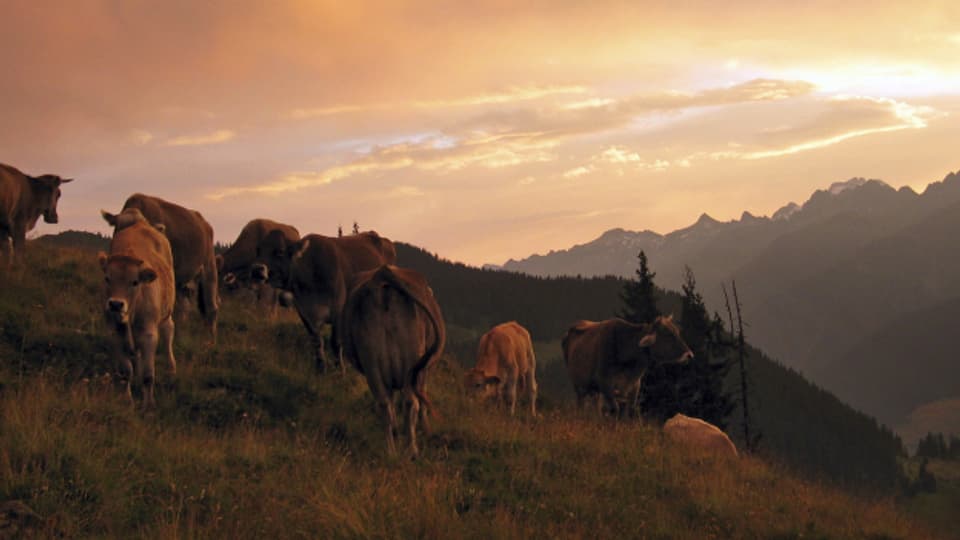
column 584, row 350
column 699, row 435
column 12, row 183
column 393, row 326
column 243, row 253
column 363, row 252
column 190, row 236
column 519, row 345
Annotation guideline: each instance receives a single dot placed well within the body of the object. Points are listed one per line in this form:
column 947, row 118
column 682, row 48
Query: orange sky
column 479, row 132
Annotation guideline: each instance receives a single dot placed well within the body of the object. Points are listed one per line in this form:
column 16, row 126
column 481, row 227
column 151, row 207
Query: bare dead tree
column 741, row 358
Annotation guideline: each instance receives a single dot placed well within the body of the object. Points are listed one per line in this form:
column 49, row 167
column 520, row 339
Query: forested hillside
column 801, row 424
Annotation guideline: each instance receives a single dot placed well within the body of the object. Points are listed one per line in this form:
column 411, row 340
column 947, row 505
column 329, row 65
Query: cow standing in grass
column 191, row 240
column 610, row 357
column 235, row 263
column 139, row 291
column 393, row 331
column 23, row 199
column 505, row 363
column 319, row 271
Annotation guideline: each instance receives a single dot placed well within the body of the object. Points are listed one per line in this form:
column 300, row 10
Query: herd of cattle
column 384, row 319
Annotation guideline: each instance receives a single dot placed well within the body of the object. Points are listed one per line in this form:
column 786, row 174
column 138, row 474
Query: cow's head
column 275, row 254
column 46, row 189
column 479, row 385
column 124, row 277
column 662, row 340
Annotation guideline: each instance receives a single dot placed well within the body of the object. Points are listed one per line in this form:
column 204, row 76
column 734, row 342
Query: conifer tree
column 639, row 296
column 701, row 389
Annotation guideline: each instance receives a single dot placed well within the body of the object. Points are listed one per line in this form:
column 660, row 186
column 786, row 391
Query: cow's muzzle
column 259, row 273
column 50, row 217
column 116, row 306
column 685, row 357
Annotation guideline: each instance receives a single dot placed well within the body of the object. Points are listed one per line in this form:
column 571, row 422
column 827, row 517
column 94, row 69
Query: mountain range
column 858, row 287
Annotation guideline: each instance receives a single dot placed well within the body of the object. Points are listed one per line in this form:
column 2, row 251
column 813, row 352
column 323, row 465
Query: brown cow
column 698, row 434
column 140, row 292
column 191, row 239
column 610, row 357
column 393, row 331
column 235, row 263
column 320, row 271
column 23, row 199
column 505, row 360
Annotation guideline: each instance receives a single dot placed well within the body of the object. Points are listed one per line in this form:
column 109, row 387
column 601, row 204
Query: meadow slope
column 248, row 442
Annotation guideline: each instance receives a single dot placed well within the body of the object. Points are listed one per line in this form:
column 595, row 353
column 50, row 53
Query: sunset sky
column 480, row 131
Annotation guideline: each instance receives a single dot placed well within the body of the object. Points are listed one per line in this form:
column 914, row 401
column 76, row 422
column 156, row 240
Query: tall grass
column 248, row 442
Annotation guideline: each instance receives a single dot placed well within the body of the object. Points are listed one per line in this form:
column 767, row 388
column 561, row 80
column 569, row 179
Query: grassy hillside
column 247, row 442
column 801, row 425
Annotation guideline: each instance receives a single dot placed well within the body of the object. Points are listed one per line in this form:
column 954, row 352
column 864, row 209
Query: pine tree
column 640, row 296
column 701, row 389
column 356, row 228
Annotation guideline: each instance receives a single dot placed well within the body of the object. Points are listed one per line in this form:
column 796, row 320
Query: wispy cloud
column 217, row 137
column 511, row 95
column 849, row 117
column 451, row 156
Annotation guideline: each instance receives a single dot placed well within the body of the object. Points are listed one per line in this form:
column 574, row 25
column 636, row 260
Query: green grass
column 248, row 442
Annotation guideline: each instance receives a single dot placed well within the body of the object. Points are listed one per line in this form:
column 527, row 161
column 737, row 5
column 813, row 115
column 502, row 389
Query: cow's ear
column 111, row 219
column 160, row 227
column 102, row 257
column 648, row 340
column 219, row 261
column 493, row 379
column 298, row 249
column 147, row 275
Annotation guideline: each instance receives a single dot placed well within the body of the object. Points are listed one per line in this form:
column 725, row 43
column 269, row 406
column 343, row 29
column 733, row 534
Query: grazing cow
column 505, row 361
column 701, row 435
column 140, row 292
column 393, row 331
column 191, row 239
column 235, row 263
column 610, row 357
column 23, row 199
column 320, row 271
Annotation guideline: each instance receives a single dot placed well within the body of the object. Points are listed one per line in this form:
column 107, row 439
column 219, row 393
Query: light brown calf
column 139, row 294
column 505, row 362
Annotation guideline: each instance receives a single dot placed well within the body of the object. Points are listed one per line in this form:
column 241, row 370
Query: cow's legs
column 312, row 320
column 123, row 351
column 509, row 393
column 146, row 367
column 412, row 414
column 208, row 298
column 6, row 247
column 530, row 381
column 384, row 398
column 166, row 337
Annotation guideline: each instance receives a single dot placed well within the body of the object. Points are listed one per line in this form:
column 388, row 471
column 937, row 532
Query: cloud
column 845, row 117
column 141, row 137
column 439, row 155
column 216, row 137
column 578, row 172
column 511, row 95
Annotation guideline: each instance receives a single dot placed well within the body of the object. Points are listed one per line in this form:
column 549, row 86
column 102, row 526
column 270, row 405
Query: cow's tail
column 416, row 375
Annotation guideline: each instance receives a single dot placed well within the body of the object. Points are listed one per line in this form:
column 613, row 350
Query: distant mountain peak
column 706, row 221
column 786, row 211
column 839, row 187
